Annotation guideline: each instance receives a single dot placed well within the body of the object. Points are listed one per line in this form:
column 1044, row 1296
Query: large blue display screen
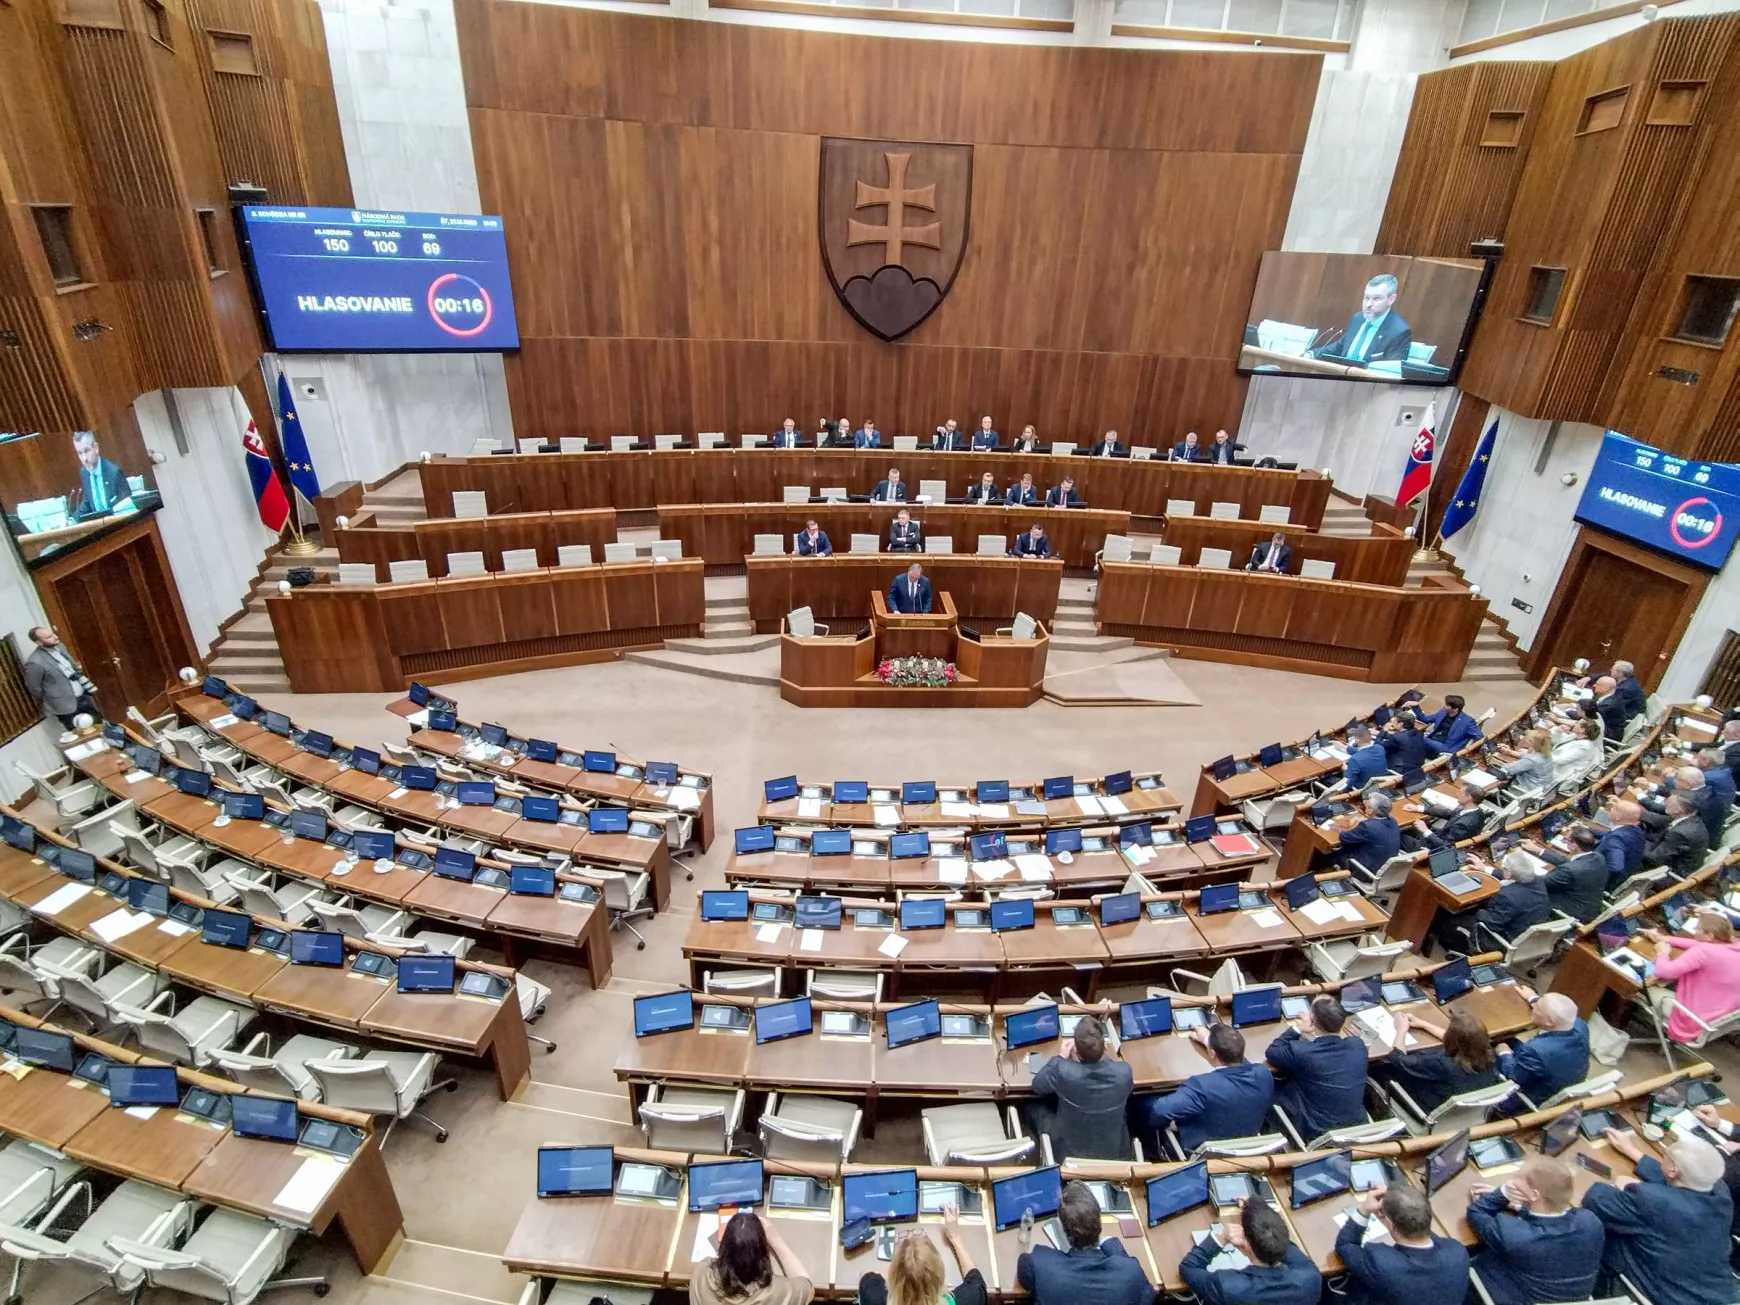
column 341, row 280
column 1689, row 509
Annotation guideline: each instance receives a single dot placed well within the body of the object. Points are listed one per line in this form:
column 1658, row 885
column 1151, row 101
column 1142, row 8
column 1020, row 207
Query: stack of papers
column 994, row 810
column 1267, row 919
column 892, row 945
column 1330, row 752
column 1480, row 780
column 706, row 1227
column 810, row 940
column 887, row 817
column 1030, row 808
column 1114, row 806
column 60, row 899
column 957, row 810
column 809, row 808
column 87, row 749
column 1090, row 805
column 308, row 1186
column 1138, row 854
column 952, row 869
column 1320, row 911
column 685, row 799
column 120, row 923
column 768, row 933
column 1034, row 867
column 992, row 870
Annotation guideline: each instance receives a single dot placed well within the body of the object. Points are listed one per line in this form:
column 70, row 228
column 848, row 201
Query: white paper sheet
column 1349, row 912
column 175, row 928
column 892, row 945
column 1374, row 1231
column 221, row 722
column 952, row 869
column 706, row 1225
column 810, row 940
column 768, row 933
column 1267, row 919
column 994, row 810
column 138, row 776
column 119, row 923
column 308, row 1186
column 1114, row 806
column 992, row 870
column 1139, row 854
column 685, row 799
column 1319, row 912
column 887, row 817
column 1034, row 868
column 84, row 751
column 809, row 809
column 398, row 793
column 957, row 810
column 60, row 899
column 1090, row 805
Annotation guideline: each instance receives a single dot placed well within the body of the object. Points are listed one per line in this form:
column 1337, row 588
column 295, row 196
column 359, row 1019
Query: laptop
column 1445, row 866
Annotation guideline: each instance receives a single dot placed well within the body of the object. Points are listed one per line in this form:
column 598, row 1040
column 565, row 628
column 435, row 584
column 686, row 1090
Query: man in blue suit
column 813, row 541
column 868, row 437
column 1521, row 903
column 1414, row 1268
column 1024, row 493
column 1187, row 449
column 787, row 436
column 1554, row 1058
column 1324, row 1087
column 1091, row 1271
column 101, row 485
column 1033, row 543
column 1375, row 839
column 1451, row 729
column 1404, row 745
column 910, row 593
column 1109, row 447
column 1272, row 556
column 1376, row 333
column 1535, row 1245
column 1667, row 1229
column 1230, row 1100
column 1366, row 759
column 1280, row 1273
column 985, row 439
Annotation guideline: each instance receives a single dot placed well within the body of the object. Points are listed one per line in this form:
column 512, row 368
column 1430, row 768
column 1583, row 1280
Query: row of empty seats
column 989, row 545
column 512, row 559
column 1121, row 548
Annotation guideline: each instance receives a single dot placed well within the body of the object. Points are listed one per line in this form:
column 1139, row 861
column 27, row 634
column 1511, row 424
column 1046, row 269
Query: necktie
column 98, row 498
column 1362, row 341
column 912, row 593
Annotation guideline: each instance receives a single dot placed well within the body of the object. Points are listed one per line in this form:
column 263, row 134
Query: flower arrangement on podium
column 917, row 672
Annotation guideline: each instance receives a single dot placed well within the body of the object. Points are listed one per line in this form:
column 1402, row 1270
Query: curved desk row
column 546, row 482
column 366, row 539
column 988, row 591
column 1322, row 627
column 377, row 639
column 1380, row 558
column 1019, row 804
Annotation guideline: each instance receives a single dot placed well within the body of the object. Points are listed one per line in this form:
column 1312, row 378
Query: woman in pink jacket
column 1705, row 972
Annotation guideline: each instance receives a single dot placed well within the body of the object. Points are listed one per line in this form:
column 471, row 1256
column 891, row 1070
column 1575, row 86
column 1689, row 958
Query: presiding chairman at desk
column 910, row 593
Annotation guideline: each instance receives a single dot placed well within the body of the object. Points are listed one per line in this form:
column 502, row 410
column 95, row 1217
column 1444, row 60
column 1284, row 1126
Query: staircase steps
column 399, row 502
column 1345, row 519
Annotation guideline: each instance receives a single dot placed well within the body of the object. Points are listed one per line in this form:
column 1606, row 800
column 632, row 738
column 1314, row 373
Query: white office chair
column 1593, row 1086
column 749, row 441
column 675, row 1117
column 933, row 491
column 1344, row 961
column 96, row 834
column 1275, row 514
column 533, row 998
column 469, row 503
column 833, row 494
column 31, row 1177
column 1062, row 449
column 1116, row 549
column 1253, row 1144
column 134, row 1211
column 30, row 975
column 974, row 1133
column 622, row 443
column 66, row 793
column 626, row 898
column 1221, row 511
column 408, row 570
column 769, row 546
column 1367, row 1134
column 231, row 1258
column 939, row 543
column 190, row 1035
column 519, row 559
column 905, row 443
column 390, row 1083
column 291, row 900
column 359, row 920
column 800, row 623
column 1312, row 568
column 711, row 439
column 572, row 444
column 1025, row 627
column 667, row 550
column 1388, row 879
column 1167, row 555
column 1180, row 507
column 463, row 564
column 807, row 1129
column 794, row 494
column 531, row 444
column 1524, row 953
column 283, row 1073
column 1214, row 559
column 1141, row 453
column 666, row 441
column 574, row 555
column 95, row 997
column 619, row 552
column 744, row 982
column 993, row 545
column 865, row 544
column 1466, row 1110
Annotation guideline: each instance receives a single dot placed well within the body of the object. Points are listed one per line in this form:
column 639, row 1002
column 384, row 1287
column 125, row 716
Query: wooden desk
column 163, row 1149
column 596, row 1236
column 47, row 1108
column 987, row 591
column 1591, row 982
column 1380, row 558
column 840, row 671
column 1422, row 898
column 367, row 539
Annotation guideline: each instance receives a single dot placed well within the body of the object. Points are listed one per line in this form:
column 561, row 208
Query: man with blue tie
column 813, row 541
column 1375, row 333
column 1554, row 1058
column 787, row 436
column 1023, row 494
column 890, row 489
column 1535, row 1245
column 1187, row 449
column 101, row 484
column 1033, row 543
column 1230, row 1100
column 948, row 437
column 1366, row 760
column 986, row 439
column 910, row 593
column 1325, row 1071
column 868, row 437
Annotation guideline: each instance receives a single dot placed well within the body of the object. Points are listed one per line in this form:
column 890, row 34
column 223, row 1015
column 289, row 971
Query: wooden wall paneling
column 471, row 612
column 411, row 614
column 527, row 602
column 681, row 594
column 630, row 598
column 579, row 598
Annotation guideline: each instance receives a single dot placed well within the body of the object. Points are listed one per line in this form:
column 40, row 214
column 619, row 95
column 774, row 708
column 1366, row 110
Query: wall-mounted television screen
column 59, row 490
column 1361, row 317
column 341, row 280
column 1688, row 509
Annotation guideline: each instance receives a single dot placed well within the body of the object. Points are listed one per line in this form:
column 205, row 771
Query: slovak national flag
column 268, row 489
column 1418, row 476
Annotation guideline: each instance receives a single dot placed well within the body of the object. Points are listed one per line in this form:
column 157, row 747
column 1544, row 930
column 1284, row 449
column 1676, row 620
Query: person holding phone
column 742, row 1272
column 1535, row 1245
column 1080, row 1097
column 1279, row 1273
column 915, row 1274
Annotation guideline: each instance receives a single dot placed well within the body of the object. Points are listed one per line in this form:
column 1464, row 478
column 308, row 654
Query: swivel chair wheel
column 453, row 1086
column 441, row 1136
column 321, row 1288
column 640, row 946
column 550, row 1050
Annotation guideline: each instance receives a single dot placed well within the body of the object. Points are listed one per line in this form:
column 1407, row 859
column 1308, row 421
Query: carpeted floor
column 461, row 1199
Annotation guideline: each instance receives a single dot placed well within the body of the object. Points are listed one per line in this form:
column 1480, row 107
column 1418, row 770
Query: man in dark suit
column 1027, row 441
column 1578, row 886
column 1324, row 1083
column 889, row 490
column 948, row 437
column 1554, row 1058
column 1452, row 728
column 1667, row 1230
column 1610, row 707
column 986, row 439
column 1033, row 543
column 1091, row 1271
column 1375, row 333
column 57, row 682
column 1109, row 447
column 1064, row 495
column 1279, row 1273
column 1365, row 759
column 1535, row 1245
column 1403, row 744
column 1622, row 679
column 1621, row 846
column 1684, row 843
column 1415, row 1266
column 1462, row 824
column 1730, row 745
column 1717, row 778
column 1375, row 839
column 787, row 436
column 1272, row 556
column 904, row 534
column 1230, row 1100
column 1223, row 450
column 101, row 483
column 1080, row 1098
column 867, row 436
column 813, row 541
column 1024, row 493
column 985, row 493
column 1187, row 449
column 1520, row 903
column 909, row 593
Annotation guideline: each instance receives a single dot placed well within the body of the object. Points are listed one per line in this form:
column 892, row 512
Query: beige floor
column 461, row 1199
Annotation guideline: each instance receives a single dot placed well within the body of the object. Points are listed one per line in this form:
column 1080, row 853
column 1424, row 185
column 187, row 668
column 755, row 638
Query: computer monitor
column 816, row 913
column 275, row 721
column 1144, row 1019
column 1120, row 908
column 418, row 694
column 426, row 973
column 1217, row 898
column 194, row 782
column 1174, row 1193
column 905, row 847
column 663, row 773
column 1117, row 784
column 1451, row 981
column 1362, row 994
column 992, row 790
column 46, row 1048
column 1062, row 840
column 443, row 720
column 576, row 1170
column 918, row 792
column 541, row 750
column 1449, row 1160
column 18, row 834
column 317, row 743
column 724, row 1182
column 989, row 847
column 143, row 1085
column 1199, row 829
column 475, row 792
column 1302, row 889
column 663, row 1012
column 1223, row 768
column 1562, row 1131
column 243, row 806
column 607, row 820
column 1036, row 1191
column 148, row 895
column 1442, row 861
column 76, row 863
column 885, row 1196
column 851, row 791
column 757, row 838
column 213, row 687
column 1011, row 913
column 544, row 810
column 309, row 824
column 1316, row 1179
column 367, row 760
column 780, row 790
column 225, row 928
column 719, row 904
column 271, row 1118
column 455, row 863
column 316, row 947
column 532, row 881
column 1058, row 786
column 783, row 1019
column 1270, row 755
column 1023, row 1028
column 372, row 844
column 598, row 763
column 146, row 758
column 831, row 842
column 915, row 1023
column 923, row 913
column 417, row 777
column 1256, row 1006
column 1140, row 834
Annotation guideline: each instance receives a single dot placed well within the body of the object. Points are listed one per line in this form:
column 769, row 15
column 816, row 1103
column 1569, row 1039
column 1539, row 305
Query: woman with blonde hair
column 1534, row 769
column 915, row 1275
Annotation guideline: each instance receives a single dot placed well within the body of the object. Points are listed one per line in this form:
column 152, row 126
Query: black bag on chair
column 299, row 576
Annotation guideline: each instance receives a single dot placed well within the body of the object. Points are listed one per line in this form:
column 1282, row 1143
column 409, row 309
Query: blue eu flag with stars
column 1466, row 501
column 301, row 467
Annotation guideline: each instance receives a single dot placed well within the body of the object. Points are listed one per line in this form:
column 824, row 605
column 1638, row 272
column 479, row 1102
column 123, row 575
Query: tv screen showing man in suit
column 1363, row 317
column 60, row 490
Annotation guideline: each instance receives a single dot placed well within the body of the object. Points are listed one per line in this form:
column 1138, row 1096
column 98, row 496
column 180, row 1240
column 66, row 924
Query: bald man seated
column 1552, row 1060
column 909, row 594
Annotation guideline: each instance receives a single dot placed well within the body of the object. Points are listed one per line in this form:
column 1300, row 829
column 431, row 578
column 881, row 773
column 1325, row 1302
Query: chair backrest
column 621, row 443
column 794, row 1139
column 1062, row 449
column 519, row 559
column 833, row 493
column 484, row 447
column 905, row 443
column 156, row 1033
column 686, row 1128
column 1592, row 1086
column 741, row 981
column 356, row 573
column 470, row 503
column 1392, row 874
column 800, row 623
column 258, row 1072
column 1117, row 548
column 1313, row 568
column 990, row 1154
column 933, row 491
column 1468, row 1109
column 1380, row 959
column 469, row 563
column 939, row 543
column 365, row 1085
column 794, row 494
column 666, row 441
column 711, row 439
column 1141, row 452
column 865, row 544
column 408, row 569
column 1223, row 511
column 1536, row 942
column 532, row 444
column 572, row 444
column 769, row 545
column 1025, row 626
column 1180, row 507
column 619, row 552
column 1214, row 559
column 749, row 441
column 670, row 550
column 574, row 555
column 1274, row 514
column 993, row 545
column 1255, row 1144
column 1166, row 555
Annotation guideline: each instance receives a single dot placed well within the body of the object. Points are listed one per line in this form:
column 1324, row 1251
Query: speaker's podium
column 820, row 669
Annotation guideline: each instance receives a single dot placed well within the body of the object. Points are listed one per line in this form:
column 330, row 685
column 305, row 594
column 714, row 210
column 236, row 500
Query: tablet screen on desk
column 309, row 824
column 149, row 896
column 1302, row 890
column 727, row 1182
column 914, row 1023
column 831, row 842
column 317, row 743
column 1013, row 914
column 607, row 820
column 780, row 790
column 816, row 913
column 855, row 791
column 907, row 846
column 1059, row 786
column 923, row 912
column 425, row 974
column 453, row 863
column 276, row 721
column 1256, row 1006
column 265, row 1117
column 1120, row 908
column 244, row 806
column 990, row 847
column 145, row 758
column 75, row 863
column 598, row 763
column 757, row 838
column 1316, row 1179
column 992, row 790
column 417, row 777
column 334, row 1139
column 372, row 844
column 445, row 721
column 476, row 793
column 1452, row 980
column 920, row 792
column 143, row 1085
column 1217, row 898
column 316, row 947
column 575, row 1170
column 661, row 773
column 885, row 1195
column 195, row 783
column 1039, row 1191
column 723, row 905
column 1448, row 1161
column 784, row 1019
column 225, row 928
column 1025, row 1027
column 544, row 810
column 1174, row 1193
column 1062, row 840
column 663, row 1012
column 1145, row 1019
column 1117, row 784
column 18, row 834
column 1140, row 834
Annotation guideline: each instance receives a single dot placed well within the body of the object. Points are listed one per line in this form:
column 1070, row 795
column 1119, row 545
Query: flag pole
column 299, row 544
column 1424, row 553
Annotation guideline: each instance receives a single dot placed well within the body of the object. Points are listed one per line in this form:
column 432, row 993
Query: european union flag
column 1466, row 500
column 301, row 467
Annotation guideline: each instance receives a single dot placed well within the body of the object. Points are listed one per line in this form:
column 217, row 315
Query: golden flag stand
column 299, row 544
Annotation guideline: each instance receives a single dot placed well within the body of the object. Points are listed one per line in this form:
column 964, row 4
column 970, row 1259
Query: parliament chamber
column 754, row 651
